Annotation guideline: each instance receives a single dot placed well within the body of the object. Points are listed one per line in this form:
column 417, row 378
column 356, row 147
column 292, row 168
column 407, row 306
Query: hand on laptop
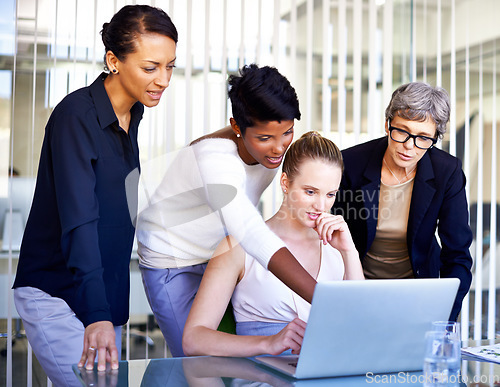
column 289, row 337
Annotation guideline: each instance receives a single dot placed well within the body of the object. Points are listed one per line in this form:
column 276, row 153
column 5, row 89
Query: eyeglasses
column 401, row 136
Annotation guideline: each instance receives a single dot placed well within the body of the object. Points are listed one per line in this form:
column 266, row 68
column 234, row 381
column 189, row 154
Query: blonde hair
column 312, row 146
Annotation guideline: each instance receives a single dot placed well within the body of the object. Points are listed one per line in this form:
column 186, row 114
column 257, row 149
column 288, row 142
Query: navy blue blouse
column 79, row 234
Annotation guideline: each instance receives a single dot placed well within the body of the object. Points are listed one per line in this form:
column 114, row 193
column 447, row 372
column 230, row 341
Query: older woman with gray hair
column 398, row 189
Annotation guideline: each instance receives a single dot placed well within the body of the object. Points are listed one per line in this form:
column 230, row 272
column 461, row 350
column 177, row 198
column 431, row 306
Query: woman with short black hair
column 210, row 190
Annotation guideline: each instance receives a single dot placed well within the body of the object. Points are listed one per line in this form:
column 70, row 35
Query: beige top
column 388, row 255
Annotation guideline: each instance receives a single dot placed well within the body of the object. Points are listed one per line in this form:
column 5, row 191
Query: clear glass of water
column 442, row 359
column 451, row 327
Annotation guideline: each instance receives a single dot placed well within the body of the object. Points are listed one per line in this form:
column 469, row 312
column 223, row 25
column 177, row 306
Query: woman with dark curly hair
column 210, row 190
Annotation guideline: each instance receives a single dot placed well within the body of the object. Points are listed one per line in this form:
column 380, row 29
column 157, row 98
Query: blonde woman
column 271, row 318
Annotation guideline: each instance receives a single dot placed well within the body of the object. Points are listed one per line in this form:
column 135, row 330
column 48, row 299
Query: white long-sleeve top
column 207, row 192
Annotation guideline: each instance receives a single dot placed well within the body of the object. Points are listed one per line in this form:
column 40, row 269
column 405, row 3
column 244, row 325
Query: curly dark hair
column 261, row 94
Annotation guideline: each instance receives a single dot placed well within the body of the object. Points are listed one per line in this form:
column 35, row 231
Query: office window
column 343, row 57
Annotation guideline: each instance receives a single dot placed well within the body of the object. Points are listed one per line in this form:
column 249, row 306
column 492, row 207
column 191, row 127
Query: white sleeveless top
column 260, row 296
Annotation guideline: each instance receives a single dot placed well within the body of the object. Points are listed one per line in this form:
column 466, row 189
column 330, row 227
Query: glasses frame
column 409, row 135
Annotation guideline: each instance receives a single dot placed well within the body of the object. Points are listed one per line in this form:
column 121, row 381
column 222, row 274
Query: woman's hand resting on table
column 99, row 338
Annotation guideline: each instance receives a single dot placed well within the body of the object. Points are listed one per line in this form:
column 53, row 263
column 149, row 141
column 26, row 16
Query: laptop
column 367, row 327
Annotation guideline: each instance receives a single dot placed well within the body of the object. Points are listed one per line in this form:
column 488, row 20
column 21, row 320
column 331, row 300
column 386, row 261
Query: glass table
column 226, row 371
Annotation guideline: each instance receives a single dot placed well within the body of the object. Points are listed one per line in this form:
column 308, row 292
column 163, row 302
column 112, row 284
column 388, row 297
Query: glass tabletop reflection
column 229, row 371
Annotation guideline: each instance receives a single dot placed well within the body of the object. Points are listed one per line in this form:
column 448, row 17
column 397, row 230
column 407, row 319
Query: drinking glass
column 451, row 327
column 442, row 359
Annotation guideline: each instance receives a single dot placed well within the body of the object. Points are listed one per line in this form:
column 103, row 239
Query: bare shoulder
column 226, row 133
column 229, row 253
column 228, row 247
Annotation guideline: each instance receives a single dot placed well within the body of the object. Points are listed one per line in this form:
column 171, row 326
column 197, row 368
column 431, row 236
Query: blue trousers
column 54, row 332
column 170, row 293
column 260, row 328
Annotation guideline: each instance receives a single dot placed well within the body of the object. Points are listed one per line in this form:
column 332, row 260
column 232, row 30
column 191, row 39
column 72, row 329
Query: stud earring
column 238, row 135
column 284, row 191
column 115, row 71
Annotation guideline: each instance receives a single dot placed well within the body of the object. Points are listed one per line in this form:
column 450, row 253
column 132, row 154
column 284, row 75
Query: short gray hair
column 417, row 101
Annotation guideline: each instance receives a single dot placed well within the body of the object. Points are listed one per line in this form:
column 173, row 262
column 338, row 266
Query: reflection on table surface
column 226, row 371
column 208, row 371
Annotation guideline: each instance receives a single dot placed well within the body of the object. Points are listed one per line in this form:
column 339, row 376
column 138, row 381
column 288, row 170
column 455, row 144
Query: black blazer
column 438, row 201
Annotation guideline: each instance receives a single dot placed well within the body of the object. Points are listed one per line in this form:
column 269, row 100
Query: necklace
column 392, row 173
